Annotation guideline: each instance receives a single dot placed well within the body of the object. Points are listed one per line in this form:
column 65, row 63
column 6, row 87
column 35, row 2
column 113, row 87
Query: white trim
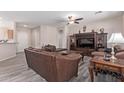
column 8, row 58
column 20, row 51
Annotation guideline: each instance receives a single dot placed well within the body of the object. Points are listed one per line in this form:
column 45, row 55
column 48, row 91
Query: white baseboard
column 20, row 52
column 8, row 58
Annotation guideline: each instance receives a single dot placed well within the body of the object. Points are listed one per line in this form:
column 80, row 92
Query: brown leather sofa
column 53, row 66
column 52, row 48
column 119, row 53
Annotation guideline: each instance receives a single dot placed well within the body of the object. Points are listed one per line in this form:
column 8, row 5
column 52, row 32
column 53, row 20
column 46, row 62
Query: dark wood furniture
column 88, row 42
column 101, row 40
column 53, row 66
column 99, row 65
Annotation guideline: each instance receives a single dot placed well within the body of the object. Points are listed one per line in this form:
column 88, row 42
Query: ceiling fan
column 71, row 20
column 98, row 12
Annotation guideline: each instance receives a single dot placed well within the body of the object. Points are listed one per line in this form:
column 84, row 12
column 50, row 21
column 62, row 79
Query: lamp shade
column 116, row 38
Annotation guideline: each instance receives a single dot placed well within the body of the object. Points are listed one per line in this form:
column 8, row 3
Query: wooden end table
column 99, row 65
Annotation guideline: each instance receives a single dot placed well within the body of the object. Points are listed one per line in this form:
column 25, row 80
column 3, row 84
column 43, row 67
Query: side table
column 99, row 65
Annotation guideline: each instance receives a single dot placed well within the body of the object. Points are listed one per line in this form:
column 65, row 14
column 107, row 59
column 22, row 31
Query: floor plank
column 16, row 70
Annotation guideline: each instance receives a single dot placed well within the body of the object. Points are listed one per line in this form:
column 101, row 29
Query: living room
column 21, row 31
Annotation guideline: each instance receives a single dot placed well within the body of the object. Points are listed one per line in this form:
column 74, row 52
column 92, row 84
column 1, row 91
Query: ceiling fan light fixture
column 71, row 22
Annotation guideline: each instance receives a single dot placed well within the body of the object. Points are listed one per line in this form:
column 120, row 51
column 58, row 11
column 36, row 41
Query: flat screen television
column 85, row 43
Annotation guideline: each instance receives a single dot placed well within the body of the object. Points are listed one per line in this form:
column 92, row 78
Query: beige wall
column 7, row 50
column 5, row 25
column 35, row 37
column 48, row 35
column 110, row 25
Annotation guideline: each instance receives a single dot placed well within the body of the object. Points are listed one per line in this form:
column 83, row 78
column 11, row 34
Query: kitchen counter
column 8, row 42
column 7, row 50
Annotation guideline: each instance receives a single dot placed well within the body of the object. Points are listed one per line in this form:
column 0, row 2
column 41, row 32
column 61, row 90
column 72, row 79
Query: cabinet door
column 101, row 41
column 72, row 42
column 105, row 40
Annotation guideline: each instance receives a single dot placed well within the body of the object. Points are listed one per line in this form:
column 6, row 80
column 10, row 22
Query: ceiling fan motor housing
column 71, row 20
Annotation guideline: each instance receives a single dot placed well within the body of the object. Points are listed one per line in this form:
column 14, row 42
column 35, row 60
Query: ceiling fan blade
column 76, row 22
column 79, row 19
column 98, row 12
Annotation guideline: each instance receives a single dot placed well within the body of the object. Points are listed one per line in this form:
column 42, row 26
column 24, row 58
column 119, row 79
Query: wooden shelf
column 80, row 42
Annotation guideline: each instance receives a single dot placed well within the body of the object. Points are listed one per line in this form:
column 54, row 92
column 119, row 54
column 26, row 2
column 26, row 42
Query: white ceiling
column 35, row 18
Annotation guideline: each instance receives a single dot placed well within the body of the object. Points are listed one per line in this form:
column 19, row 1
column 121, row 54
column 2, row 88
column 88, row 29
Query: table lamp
column 116, row 38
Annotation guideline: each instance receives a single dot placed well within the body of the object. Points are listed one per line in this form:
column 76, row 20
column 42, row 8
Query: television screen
column 85, row 42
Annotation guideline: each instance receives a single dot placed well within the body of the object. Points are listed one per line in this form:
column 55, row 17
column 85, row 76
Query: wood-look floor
column 16, row 70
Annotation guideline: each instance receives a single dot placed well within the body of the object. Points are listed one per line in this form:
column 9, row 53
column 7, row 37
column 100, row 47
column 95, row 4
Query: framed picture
column 10, row 34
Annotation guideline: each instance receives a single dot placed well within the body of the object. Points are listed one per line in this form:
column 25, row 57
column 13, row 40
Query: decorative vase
column 102, row 30
column 93, row 31
column 79, row 31
column 84, row 28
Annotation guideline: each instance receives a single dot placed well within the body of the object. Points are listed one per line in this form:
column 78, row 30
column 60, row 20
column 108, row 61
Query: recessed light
column 1, row 18
column 71, row 22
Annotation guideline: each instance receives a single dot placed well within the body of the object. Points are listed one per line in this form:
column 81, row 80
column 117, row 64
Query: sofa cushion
column 52, row 65
column 117, row 48
column 35, row 49
column 50, row 48
column 120, row 55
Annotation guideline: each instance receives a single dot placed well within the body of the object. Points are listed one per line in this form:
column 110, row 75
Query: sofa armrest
column 60, row 49
column 120, row 51
column 120, row 55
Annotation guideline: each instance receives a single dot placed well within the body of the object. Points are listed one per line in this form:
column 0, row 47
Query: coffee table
column 99, row 65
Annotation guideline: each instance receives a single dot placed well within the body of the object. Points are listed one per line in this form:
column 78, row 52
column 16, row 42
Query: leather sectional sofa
column 53, row 66
column 119, row 53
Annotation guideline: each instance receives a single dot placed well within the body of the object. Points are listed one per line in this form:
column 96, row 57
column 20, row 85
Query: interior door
column 61, row 38
column 23, row 40
column 36, row 38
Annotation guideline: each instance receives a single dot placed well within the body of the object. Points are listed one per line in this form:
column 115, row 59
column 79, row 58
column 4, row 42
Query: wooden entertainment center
column 88, row 42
